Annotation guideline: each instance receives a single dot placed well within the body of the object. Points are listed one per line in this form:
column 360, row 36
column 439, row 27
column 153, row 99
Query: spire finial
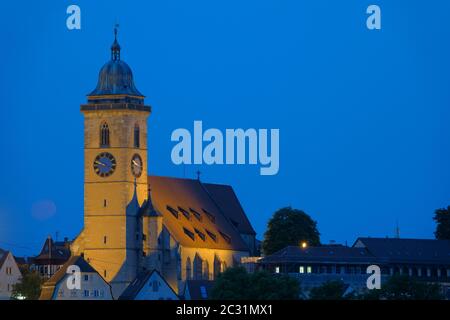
column 115, row 48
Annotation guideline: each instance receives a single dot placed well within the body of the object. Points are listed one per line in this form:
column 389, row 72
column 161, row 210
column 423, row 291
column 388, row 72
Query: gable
column 149, row 285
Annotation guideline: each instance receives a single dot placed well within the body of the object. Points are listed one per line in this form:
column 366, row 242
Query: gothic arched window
column 217, row 266
column 205, row 270
column 104, row 135
column 198, row 268
column 188, row 269
column 136, row 136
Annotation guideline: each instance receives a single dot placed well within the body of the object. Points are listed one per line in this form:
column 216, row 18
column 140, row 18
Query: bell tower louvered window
column 104, row 135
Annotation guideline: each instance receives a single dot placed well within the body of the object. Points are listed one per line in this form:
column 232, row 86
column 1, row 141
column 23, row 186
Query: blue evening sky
column 363, row 115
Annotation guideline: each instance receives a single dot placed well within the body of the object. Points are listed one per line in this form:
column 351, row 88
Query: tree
column 29, row 287
column 403, row 287
column 289, row 227
column 330, row 290
column 237, row 284
column 442, row 218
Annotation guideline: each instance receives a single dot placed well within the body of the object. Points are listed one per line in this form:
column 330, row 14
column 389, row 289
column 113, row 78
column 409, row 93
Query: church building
column 135, row 223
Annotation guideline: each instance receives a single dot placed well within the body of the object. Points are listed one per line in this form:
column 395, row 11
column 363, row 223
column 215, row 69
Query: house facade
column 149, row 285
column 9, row 274
column 76, row 280
column 425, row 260
column 53, row 255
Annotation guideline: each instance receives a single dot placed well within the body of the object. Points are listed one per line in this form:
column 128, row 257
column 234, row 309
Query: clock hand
column 137, row 164
column 100, row 163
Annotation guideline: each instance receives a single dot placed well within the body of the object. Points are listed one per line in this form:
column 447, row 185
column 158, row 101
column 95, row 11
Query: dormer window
column 104, row 135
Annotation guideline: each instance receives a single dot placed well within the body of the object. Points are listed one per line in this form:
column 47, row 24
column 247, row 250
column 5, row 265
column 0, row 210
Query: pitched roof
column 135, row 287
column 192, row 216
column 198, row 289
column 398, row 250
column 48, row 287
column 335, row 254
column 3, row 256
column 227, row 200
column 57, row 252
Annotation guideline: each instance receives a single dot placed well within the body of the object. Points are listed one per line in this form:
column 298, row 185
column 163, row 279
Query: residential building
column 76, row 280
column 149, row 285
column 9, row 274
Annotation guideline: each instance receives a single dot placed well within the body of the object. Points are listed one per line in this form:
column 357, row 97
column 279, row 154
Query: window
column 104, row 135
column 188, row 269
column 155, row 286
column 212, row 235
column 198, row 268
column 104, row 273
column 86, row 277
column 308, row 269
column 136, row 136
column 203, row 292
column 96, row 294
column 200, row 234
column 104, row 203
column 189, row 233
column 301, row 269
column 86, row 293
column 104, row 240
column 226, row 237
column 185, row 213
column 210, row 216
column 172, row 211
column 196, row 214
column 277, row 269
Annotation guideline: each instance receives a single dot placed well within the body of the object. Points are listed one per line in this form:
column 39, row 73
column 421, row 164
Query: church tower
column 115, row 173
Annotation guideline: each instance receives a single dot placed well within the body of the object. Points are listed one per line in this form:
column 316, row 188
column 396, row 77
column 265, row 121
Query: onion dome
column 115, row 77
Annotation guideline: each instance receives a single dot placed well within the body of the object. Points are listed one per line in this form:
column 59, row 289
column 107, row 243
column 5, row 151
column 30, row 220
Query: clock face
column 136, row 166
column 104, row 164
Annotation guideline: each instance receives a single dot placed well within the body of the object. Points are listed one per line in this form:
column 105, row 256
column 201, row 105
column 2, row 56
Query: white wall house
column 88, row 284
column 9, row 274
column 149, row 286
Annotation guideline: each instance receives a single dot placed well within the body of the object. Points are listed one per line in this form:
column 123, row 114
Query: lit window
column 277, row 269
column 309, row 269
column 302, row 269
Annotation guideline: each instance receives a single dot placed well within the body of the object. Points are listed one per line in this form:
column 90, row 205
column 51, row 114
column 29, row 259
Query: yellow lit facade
column 183, row 228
